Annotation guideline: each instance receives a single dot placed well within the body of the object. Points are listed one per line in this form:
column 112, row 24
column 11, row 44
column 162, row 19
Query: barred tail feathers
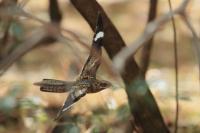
column 52, row 85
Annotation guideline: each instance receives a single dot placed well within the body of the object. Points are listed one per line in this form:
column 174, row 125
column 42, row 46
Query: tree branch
column 146, row 50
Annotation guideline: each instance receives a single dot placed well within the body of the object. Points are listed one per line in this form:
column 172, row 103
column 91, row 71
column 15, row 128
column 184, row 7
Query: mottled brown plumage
column 57, row 86
column 86, row 82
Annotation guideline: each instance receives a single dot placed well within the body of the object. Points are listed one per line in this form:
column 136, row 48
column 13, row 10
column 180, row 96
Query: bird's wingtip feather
column 99, row 24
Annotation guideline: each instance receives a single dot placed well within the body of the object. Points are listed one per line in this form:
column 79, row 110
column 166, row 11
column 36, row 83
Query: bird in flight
column 86, row 82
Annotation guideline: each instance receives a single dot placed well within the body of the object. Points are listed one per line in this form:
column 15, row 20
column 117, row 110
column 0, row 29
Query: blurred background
column 25, row 109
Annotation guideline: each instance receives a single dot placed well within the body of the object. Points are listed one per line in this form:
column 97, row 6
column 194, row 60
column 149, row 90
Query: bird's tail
column 52, row 85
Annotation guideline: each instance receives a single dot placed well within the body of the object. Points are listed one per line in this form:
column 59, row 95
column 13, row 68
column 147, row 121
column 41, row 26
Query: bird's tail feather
column 52, row 85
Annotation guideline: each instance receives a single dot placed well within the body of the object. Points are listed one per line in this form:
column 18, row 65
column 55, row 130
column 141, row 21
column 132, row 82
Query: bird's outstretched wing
column 56, row 86
column 94, row 60
column 68, row 103
column 71, row 99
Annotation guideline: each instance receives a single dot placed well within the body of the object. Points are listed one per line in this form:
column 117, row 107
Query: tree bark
column 142, row 103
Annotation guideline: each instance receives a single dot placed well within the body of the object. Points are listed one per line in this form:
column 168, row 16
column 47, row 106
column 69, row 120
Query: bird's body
column 86, row 82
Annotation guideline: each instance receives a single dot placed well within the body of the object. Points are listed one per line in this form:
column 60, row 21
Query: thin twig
column 176, row 69
column 149, row 31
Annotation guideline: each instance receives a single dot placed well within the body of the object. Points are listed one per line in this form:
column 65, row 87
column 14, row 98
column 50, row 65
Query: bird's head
column 104, row 84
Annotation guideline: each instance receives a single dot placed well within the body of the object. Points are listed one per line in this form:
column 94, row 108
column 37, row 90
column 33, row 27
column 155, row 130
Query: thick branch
column 143, row 106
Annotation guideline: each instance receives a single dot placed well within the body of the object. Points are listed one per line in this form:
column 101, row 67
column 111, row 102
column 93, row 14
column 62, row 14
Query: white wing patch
column 63, row 110
column 99, row 35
